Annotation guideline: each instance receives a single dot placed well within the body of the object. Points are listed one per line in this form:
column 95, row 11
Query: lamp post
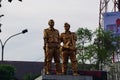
column 3, row 44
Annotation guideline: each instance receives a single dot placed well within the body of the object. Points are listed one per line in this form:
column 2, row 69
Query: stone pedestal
column 64, row 77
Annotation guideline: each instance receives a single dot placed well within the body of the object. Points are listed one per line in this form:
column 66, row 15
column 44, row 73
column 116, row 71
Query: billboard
column 111, row 21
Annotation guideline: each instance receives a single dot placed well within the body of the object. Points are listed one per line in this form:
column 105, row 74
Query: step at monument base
column 64, row 77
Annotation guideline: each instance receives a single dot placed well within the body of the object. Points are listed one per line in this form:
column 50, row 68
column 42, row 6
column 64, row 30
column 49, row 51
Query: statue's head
column 51, row 23
column 66, row 26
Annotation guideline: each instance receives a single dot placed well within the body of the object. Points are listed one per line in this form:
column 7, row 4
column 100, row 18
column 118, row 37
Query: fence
column 114, row 72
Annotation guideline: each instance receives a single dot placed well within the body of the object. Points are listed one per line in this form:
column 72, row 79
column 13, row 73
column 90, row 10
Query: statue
column 52, row 48
column 68, row 50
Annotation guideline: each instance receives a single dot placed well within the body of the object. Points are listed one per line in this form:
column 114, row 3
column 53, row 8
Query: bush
column 31, row 76
column 7, row 72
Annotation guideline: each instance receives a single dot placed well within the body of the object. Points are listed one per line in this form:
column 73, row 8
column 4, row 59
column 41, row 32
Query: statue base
column 64, row 77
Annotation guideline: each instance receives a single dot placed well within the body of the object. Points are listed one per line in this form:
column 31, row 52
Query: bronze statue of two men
column 54, row 49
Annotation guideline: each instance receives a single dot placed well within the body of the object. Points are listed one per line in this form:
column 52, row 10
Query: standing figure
column 52, row 47
column 68, row 49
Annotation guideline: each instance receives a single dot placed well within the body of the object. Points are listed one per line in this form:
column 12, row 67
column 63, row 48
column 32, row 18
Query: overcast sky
column 34, row 15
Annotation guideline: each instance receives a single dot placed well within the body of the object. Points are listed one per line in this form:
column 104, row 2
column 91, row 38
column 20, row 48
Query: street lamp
column 3, row 44
column 0, row 23
column 1, row 15
column 0, row 27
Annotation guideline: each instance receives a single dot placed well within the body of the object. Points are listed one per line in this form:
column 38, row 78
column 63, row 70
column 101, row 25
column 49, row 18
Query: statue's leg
column 49, row 56
column 64, row 62
column 74, row 63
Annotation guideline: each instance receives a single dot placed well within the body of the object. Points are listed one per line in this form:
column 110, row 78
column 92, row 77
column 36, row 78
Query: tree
column 84, row 36
column 104, row 47
column 96, row 47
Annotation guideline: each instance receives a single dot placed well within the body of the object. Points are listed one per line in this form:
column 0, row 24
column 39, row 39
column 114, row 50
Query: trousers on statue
column 65, row 57
column 53, row 53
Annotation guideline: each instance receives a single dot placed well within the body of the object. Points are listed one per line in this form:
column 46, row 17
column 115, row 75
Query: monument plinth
column 64, row 77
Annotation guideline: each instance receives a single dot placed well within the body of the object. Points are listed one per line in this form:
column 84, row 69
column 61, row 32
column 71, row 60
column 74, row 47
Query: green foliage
column 104, row 47
column 6, row 72
column 84, row 36
column 96, row 47
column 30, row 76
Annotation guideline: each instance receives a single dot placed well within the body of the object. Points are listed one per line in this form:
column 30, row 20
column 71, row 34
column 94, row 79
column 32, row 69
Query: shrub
column 7, row 72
